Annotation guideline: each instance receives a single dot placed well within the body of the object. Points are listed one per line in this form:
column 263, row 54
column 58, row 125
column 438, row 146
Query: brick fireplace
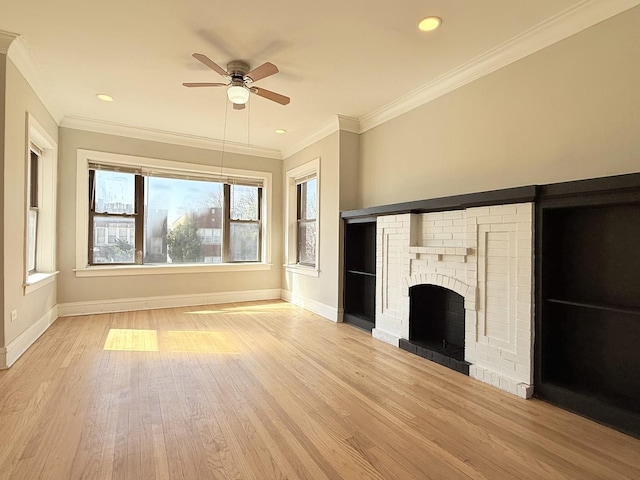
column 484, row 255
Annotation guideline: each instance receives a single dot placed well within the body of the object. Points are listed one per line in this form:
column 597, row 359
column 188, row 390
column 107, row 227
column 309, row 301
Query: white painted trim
column 302, row 270
column 46, row 239
column 36, row 281
column 126, row 270
column 386, row 337
column 18, row 346
column 21, row 57
column 334, row 124
column 311, row 167
column 174, row 138
column 6, row 38
column 330, row 313
column 348, row 124
column 167, row 301
column 557, row 28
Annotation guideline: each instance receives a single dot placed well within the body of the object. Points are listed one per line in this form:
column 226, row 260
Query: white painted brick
column 453, row 214
column 444, row 223
column 503, row 210
column 519, row 359
column 489, row 219
column 525, row 208
column 520, row 217
column 524, row 370
column 443, row 236
column 525, row 390
column 477, row 211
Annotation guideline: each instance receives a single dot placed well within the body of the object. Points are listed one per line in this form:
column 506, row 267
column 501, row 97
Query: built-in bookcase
column 360, row 272
column 588, row 310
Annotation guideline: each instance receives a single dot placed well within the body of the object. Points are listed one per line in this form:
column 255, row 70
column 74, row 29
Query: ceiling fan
column 241, row 80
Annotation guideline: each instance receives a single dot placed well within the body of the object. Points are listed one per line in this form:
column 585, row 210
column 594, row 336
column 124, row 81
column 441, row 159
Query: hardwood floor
column 266, row 390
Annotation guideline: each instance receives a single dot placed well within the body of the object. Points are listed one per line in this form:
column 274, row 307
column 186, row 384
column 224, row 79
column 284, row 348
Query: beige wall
column 20, row 100
column 73, row 289
column 322, row 289
column 3, row 69
column 570, row 111
column 338, row 191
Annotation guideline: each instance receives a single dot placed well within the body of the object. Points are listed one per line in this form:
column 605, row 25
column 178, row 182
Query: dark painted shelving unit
column 588, row 302
column 360, row 272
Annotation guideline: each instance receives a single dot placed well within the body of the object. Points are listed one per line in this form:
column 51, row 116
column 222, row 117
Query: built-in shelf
column 597, row 306
column 358, row 272
column 360, row 277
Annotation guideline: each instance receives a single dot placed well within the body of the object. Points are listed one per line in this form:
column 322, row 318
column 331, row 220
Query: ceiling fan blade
column 264, row 70
column 204, row 84
column 268, row 94
column 238, row 106
column 211, row 64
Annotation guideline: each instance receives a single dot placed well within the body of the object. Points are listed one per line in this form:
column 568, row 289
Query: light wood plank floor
column 266, row 390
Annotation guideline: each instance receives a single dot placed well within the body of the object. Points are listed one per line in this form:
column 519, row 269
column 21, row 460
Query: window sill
column 38, row 280
column 303, row 270
column 128, row 270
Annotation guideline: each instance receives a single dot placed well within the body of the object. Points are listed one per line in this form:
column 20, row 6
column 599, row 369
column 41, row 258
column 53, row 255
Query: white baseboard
column 18, row 346
column 330, row 313
column 167, row 301
column 385, row 337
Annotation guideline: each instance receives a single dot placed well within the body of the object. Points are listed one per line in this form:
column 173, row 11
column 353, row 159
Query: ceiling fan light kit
column 238, row 94
column 241, row 79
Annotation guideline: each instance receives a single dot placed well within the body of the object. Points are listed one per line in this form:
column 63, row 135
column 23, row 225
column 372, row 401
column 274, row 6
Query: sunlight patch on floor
column 130, row 340
column 177, row 341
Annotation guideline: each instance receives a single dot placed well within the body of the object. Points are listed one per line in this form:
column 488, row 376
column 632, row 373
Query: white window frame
column 83, row 269
column 293, row 177
column 47, row 150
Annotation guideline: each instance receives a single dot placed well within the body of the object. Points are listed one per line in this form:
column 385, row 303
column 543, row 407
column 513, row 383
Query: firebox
column 437, row 326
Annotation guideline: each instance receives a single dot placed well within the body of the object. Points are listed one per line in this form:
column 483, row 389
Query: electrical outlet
column 14, row 315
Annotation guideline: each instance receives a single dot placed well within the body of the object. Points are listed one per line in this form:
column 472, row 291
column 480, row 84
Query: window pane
column 178, row 215
column 244, row 202
column 115, row 249
column 32, row 223
column 243, row 242
column 114, row 192
column 310, row 200
column 307, row 243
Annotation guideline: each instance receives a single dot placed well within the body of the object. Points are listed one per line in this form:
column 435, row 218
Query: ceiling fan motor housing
column 238, row 69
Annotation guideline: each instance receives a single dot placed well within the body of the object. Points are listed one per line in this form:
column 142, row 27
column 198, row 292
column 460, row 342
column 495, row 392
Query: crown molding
column 557, row 28
column 6, row 38
column 163, row 136
column 21, row 57
column 334, row 124
column 348, row 124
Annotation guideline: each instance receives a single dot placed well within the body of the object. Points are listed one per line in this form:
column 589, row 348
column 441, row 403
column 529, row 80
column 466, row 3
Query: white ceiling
column 347, row 57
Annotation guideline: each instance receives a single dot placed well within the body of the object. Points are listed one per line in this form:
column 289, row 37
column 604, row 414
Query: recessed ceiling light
column 280, row 131
column 104, row 97
column 429, row 24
